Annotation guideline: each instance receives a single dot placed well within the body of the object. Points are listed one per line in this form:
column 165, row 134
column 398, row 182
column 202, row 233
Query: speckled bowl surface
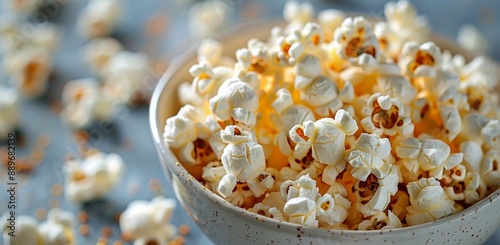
column 225, row 223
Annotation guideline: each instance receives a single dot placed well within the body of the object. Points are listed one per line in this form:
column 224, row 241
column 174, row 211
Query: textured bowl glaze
column 225, row 223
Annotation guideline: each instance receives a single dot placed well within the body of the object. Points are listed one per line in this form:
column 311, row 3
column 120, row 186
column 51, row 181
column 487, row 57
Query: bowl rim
column 178, row 170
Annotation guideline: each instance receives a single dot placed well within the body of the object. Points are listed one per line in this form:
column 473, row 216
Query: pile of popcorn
column 345, row 123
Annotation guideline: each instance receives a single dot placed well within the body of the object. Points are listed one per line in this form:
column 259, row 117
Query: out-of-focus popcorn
column 9, row 111
column 84, row 103
column 428, row 202
column 31, row 68
column 297, row 14
column 208, row 17
column 23, row 7
column 125, row 74
column 471, row 39
column 93, row 176
column 56, row 230
column 403, row 19
column 99, row 52
column 99, row 18
column 148, row 222
column 330, row 19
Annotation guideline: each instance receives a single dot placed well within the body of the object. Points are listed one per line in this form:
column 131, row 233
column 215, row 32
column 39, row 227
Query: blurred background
column 53, row 42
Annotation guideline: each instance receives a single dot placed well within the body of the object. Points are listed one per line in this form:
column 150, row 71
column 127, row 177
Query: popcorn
column 92, row 177
column 420, row 60
column 84, row 103
column 125, row 74
column 297, row 14
column 207, row 18
column 430, row 155
column 243, row 159
column 428, row 202
column 98, row 18
column 9, row 112
column 385, row 115
column 148, row 222
column 235, row 99
column 187, row 133
column 381, row 221
column 356, row 42
column 57, row 230
column 99, row 52
column 24, row 7
column 279, row 123
column 370, row 155
column 326, row 139
column 374, row 194
column 31, row 68
column 471, row 39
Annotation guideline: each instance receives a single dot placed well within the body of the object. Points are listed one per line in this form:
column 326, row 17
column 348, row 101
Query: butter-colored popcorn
column 254, row 58
column 31, row 68
column 392, row 84
column 430, row 155
column 237, row 100
column 9, row 112
column 428, row 202
column 385, row 116
column 85, row 104
column 326, row 139
column 398, row 204
column 59, row 228
column 420, row 60
column 370, row 155
column 125, row 74
column 25, row 230
column 297, row 14
column 212, row 173
column 302, row 187
column 271, row 212
column 332, row 209
column 93, row 176
column 471, row 189
column 356, row 42
column 207, row 18
column 243, row 159
column 148, row 222
column 187, row 133
column 302, row 211
column 374, row 194
column 99, row 18
column 381, row 221
column 99, row 52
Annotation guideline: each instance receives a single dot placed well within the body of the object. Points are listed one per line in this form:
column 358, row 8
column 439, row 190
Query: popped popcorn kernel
column 347, row 123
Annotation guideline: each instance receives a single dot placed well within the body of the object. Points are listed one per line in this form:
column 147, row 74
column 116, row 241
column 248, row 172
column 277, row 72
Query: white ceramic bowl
column 225, row 223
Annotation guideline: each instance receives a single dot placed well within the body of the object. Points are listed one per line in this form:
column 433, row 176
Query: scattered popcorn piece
column 85, row 104
column 148, row 222
column 428, row 202
column 9, row 112
column 98, row 53
column 56, row 230
column 471, row 39
column 92, row 177
column 31, row 68
column 370, row 155
column 99, row 18
column 125, row 75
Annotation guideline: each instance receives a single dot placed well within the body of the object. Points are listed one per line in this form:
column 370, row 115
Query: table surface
column 130, row 137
